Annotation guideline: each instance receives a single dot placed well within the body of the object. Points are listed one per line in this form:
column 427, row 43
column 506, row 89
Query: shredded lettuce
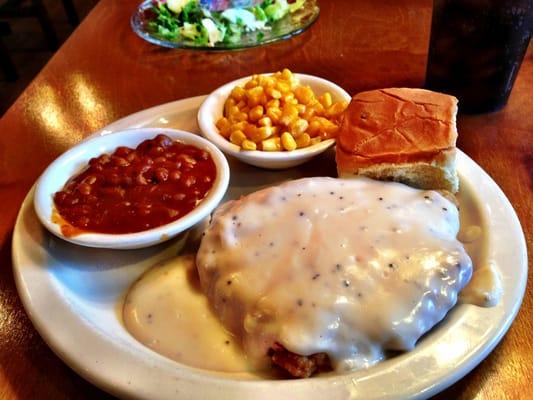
column 277, row 10
column 188, row 20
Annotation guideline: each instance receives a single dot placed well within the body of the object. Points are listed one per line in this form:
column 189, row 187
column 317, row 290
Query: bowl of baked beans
column 131, row 189
column 275, row 120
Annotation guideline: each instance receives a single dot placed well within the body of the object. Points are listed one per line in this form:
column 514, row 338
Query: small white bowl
column 71, row 162
column 212, row 109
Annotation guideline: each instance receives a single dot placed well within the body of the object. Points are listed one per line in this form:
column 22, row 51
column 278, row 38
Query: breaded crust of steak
column 296, row 365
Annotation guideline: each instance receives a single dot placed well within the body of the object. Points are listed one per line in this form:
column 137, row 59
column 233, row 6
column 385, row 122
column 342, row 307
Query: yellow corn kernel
column 259, row 134
column 255, row 92
column 240, row 116
column 283, row 87
column 287, row 118
column 301, row 108
column 250, row 131
column 254, row 101
column 303, row 141
column 289, row 98
column 268, row 81
column 304, row 94
column 274, row 114
column 326, row 100
column 317, row 107
column 272, row 103
column 237, row 137
column 336, row 109
column 248, row 145
column 265, row 132
column 251, row 84
column 273, row 92
column 297, row 127
column 289, row 114
column 223, row 126
column 290, row 109
column 233, row 110
column 272, row 144
column 308, row 114
column 314, row 127
column 265, row 121
column 292, row 101
column 238, row 93
column 286, row 74
column 239, row 126
column 256, row 113
column 241, row 104
column 228, row 105
column 287, row 141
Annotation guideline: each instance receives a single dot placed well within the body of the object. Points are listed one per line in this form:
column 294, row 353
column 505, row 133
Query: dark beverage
column 476, row 49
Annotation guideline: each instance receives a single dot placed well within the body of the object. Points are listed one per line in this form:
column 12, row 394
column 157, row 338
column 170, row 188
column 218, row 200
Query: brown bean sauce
column 132, row 190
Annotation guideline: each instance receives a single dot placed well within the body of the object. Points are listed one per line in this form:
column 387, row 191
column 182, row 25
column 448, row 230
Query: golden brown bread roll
column 400, row 134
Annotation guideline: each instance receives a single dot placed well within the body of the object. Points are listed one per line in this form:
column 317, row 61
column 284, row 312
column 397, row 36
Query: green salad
column 188, row 20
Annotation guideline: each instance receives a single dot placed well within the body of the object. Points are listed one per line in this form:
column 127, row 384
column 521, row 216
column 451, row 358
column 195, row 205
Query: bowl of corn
column 276, row 120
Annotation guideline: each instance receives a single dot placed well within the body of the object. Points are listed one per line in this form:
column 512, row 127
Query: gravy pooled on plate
column 350, row 268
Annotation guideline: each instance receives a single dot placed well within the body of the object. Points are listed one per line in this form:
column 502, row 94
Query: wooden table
column 104, row 72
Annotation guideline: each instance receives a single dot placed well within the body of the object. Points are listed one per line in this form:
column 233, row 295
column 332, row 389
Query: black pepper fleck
column 341, row 197
column 234, row 218
column 426, row 197
column 300, row 302
column 332, row 193
column 380, row 198
column 302, row 213
column 271, row 244
column 315, row 276
column 304, row 248
column 346, row 283
column 299, row 195
column 227, row 342
column 444, row 209
column 228, row 282
column 338, row 267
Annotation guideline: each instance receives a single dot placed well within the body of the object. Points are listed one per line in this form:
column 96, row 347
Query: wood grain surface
column 104, row 72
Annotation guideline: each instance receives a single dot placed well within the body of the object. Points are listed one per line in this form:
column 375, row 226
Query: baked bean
column 133, row 190
column 161, row 174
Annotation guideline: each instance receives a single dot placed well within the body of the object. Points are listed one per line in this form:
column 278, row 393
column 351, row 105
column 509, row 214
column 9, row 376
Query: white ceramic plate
column 69, row 163
column 73, row 296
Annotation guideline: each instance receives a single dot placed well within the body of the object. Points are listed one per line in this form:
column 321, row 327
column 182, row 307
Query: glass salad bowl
column 158, row 25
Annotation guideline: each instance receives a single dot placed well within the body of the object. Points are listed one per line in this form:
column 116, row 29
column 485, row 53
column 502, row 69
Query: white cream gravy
column 183, row 327
column 348, row 267
column 166, row 311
